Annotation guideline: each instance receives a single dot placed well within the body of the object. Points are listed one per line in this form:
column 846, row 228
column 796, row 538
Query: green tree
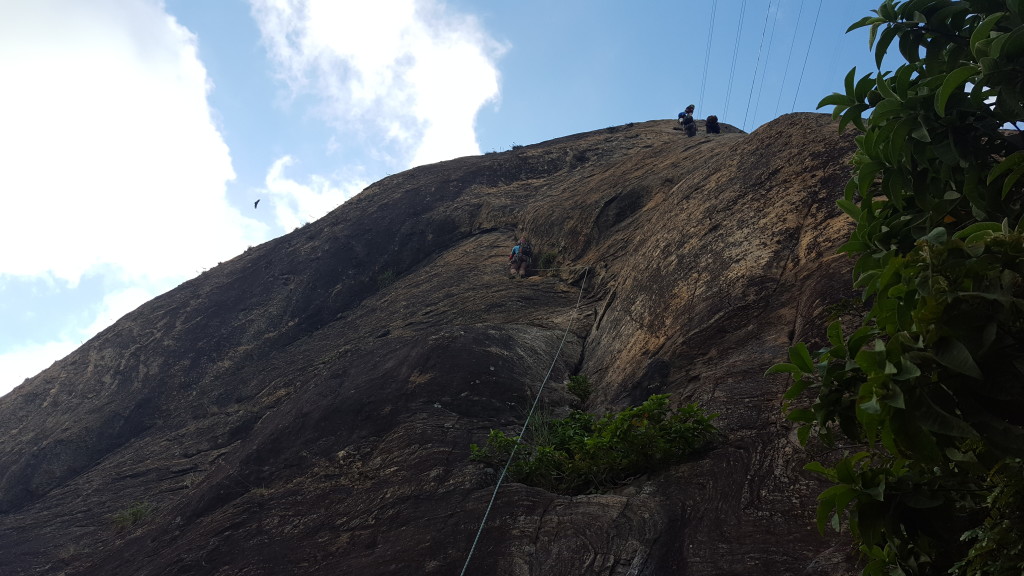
column 930, row 389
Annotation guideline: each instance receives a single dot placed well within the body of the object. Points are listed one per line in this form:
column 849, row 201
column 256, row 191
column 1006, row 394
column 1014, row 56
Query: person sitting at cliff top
column 519, row 259
column 687, row 112
column 711, row 125
column 689, row 125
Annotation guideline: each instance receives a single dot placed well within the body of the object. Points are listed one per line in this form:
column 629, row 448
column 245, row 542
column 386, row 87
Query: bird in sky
column 256, row 203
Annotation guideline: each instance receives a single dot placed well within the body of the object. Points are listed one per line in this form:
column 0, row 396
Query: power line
column 735, row 52
column 806, row 54
column 840, row 48
column 789, row 58
column 767, row 58
column 707, row 56
column 525, row 424
column 757, row 63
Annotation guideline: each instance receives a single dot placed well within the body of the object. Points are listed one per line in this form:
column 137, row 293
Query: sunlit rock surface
column 307, row 407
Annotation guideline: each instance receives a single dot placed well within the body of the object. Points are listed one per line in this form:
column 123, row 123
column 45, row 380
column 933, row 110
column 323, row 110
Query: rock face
column 307, row 407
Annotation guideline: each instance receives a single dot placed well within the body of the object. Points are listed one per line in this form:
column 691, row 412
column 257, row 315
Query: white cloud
column 408, row 74
column 295, row 204
column 27, row 361
column 113, row 165
column 110, row 154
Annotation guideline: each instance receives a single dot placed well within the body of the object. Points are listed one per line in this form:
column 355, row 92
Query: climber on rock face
column 519, row 259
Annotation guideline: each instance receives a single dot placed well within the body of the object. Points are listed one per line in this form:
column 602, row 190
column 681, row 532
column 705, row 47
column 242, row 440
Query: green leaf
column 848, row 82
column 982, row 31
column 899, row 140
column 849, row 207
column 866, row 175
column 1013, row 48
column 835, row 336
column 871, row 406
column 935, row 419
column 865, row 21
column 864, row 85
column 782, row 368
column 937, row 236
column 904, row 75
column 803, row 434
column 996, row 47
column 871, row 361
column 884, row 41
column 799, row 356
column 817, row 468
column 953, row 81
column 910, row 48
column 1011, row 180
column 823, row 514
column 834, row 99
column 978, row 227
column 894, row 397
column 921, row 132
column 798, row 387
column 952, row 354
column 885, row 90
column 885, row 110
column 1008, row 163
column 853, row 114
column 800, row 415
column 908, row 371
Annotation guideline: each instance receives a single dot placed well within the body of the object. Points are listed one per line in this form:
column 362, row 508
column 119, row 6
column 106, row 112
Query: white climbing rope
column 519, row 438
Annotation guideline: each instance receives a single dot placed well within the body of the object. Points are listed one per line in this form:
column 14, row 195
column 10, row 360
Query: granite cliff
column 307, row 407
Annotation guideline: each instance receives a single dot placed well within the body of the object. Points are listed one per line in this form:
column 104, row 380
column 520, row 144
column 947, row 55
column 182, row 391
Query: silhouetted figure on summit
column 686, row 121
column 689, row 126
column 711, row 125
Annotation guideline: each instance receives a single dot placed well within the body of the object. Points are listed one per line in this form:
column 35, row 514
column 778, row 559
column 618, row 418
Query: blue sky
column 136, row 134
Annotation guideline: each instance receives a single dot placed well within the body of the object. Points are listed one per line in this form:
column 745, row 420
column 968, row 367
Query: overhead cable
column 789, row 57
column 767, row 59
column 707, row 56
column 757, row 63
column 806, row 54
column 735, row 52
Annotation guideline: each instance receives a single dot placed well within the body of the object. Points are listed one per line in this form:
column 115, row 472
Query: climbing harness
column 536, row 400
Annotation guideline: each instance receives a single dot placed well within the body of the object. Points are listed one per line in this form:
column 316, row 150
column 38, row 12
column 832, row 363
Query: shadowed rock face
column 307, row 407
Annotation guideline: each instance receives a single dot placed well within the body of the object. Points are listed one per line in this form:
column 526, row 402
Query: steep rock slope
column 307, row 406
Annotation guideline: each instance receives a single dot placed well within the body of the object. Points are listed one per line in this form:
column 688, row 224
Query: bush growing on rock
column 579, row 386
column 132, row 515
column 581, row 453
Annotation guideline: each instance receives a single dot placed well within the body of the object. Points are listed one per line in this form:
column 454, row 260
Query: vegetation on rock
column 579, row 386
column 132, row 515
column 930, row 389
column 581, row 453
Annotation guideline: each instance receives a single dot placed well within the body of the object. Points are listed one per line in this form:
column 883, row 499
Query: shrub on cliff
column 582, row 453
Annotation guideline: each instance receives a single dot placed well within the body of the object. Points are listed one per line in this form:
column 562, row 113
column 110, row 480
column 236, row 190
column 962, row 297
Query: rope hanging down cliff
column 529, row 415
